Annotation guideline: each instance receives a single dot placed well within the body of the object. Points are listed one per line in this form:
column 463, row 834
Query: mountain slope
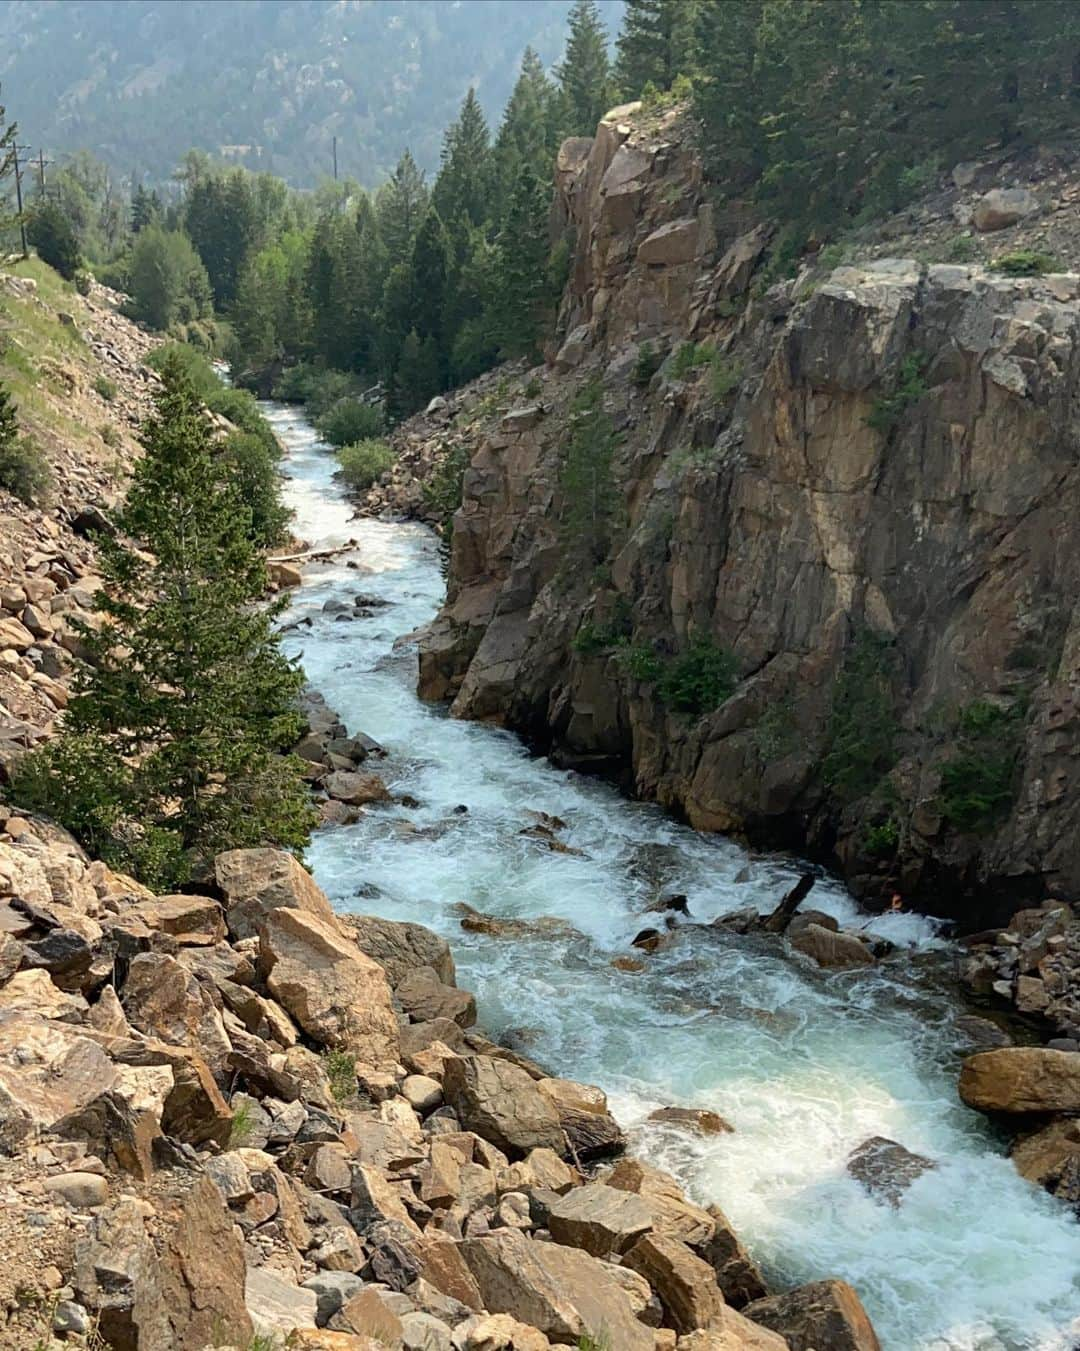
column 140, row 81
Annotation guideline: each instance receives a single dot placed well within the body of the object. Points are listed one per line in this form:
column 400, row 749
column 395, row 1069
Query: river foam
column 805, row 1065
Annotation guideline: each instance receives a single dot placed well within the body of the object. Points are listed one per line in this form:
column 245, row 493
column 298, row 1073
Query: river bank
column 805, row 1066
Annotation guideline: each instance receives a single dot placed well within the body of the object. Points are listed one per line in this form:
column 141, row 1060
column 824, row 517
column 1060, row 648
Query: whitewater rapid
column 805, row 1065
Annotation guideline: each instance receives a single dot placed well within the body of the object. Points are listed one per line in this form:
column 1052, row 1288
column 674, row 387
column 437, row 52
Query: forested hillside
column 138, row 82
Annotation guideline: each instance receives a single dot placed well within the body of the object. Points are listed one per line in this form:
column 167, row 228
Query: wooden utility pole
column 42, row 161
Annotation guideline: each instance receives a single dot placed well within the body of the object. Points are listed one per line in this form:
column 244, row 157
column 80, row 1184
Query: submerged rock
column 886, row 1169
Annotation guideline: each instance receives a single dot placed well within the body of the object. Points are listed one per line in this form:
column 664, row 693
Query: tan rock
column 733, row 1333
column 823, row 1316
column 591, row 1130
column 1022, row 1079
column 564, row 1292
column 685, row 1284
column 277, row 1308
column 34, row 992
column 502, row 1104
column 831, row 949
column 444, row 1267
column 541, row 1168
column 400, row 948
column 375, row 1198
column 1001, row 207
column 498, row 1332
column 736, row 1271
column 365, row 1314
column 698, row 1120
column 48, row 1071
column 675, row 242
column 355, row 790
column 338, row 995
column 672, row 1213
column 256, row 881
column 14, row 634
column 183, row 915
column 599, row 1219
column 164, row 1000
column 1051, row 1158
column 424, row 997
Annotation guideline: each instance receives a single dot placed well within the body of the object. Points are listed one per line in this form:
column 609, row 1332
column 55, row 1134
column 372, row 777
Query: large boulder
column 823, row 1316
column 164, row 1000
column 565, row 1293
column 686, row 1285
column 672, row 1213
column 1051, row 1158
column 502, row 1104
column 255, row 882
column 591, row 1131
column 400, row 948
column 831, row 949
column 424, row 997
column 733, row 1332
column 195, row 918
column 1022, row 1079
column 115, row 1260
column 1002, row 207
column 197, row 1290
column 598, row 1219
column 48, row 1071
column 337, row 994
column 277, row 1307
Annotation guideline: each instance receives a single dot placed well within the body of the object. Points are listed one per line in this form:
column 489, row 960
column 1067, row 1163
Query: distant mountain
column 268, row 83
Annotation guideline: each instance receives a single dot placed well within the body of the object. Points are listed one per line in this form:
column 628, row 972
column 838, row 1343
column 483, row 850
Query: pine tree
column 9, row 427
column 590, row 501
column 417, row 376
column 51, row 233
column 584, row 74
column 655, row 44
column 146, row 209
column 727, row 97
column 399, row 208
column 519, row 289
column 185, row 699
column 463, row 187
column 430, row 266
column 528, row 134
column 9, row 132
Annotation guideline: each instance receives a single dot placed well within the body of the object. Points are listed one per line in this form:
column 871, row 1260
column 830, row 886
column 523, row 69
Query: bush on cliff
column 365, row 462
column 172, row 743
column 863, row 728
column 590, row 498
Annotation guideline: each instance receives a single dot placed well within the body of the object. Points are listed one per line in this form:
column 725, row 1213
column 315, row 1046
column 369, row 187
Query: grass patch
column 863, row 729
column 105, row 388
column 340, row 1069
column 1026, row 263
column 910, row 388
column 242, row 1127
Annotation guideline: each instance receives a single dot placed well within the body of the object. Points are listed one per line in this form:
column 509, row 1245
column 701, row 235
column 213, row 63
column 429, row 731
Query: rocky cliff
column 861, row 482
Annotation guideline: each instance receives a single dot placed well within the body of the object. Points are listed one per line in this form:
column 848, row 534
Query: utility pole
column 42, row 161
column 335, row 159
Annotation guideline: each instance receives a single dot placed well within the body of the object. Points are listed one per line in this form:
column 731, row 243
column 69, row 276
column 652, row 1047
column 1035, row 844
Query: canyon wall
column 862, row 483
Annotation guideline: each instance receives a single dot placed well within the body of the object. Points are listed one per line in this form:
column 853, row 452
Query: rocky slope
column 75, row 366
column 235, row 1116
column 862, row 482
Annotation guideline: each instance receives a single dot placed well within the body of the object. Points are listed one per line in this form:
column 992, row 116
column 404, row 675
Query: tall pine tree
column 463, row 188
column 9, row 132
column 400, row 205
column 519, row 293
column 170, row 748
column 584, row 74
column 655, row 45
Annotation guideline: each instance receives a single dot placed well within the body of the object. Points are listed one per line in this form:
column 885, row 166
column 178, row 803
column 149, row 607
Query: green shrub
column 444, row 487
column 255, row 474
column 340, row 1069
column 699, row 679
column 646, row 364
column 23, row 470
column 594, row 637
column 910, row 388
column 724, row 378
column 109, row 434
column 881, row 840
column 84, row 281
column 862, row 733
column 776, row 732
column 349, row 421
column 105, row 388
column 960, row 249
column 364, row 462
column 978, row 779
column 1026, row 263
column 642, row 662
column 688, row 357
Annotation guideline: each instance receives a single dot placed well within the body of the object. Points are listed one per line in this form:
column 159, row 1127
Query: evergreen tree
column 430, row 265
column 146, row 209
column 9, row 427
column 51, row 233
column 519, row 290
column 590, row 501
column 584, row 74
column 225, row 220
column 399, row 208
column 463, row 188
column 417, row 376
column 185, row 699
column 9, row 132
column 655, row 45
column 727, row 99
column 528, row 134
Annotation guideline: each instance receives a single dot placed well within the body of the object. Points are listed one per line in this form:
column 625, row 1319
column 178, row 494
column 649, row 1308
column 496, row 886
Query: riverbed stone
column 1019, row 1079
column 591, row 1131
column 564, row 1292
column 424, row 997
column 821, row 1316
column 599, row 1219
column 1050, row 1158
column 502, row 1104
column 832, row 950
column 401, row 947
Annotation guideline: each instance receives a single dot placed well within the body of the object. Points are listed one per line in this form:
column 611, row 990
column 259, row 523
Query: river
column 805, row 1065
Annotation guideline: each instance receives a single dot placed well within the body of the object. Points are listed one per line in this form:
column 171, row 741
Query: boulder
column 424, row 998
column 1022, row 1079
column 443, row 1267
column 1051, row 1158
column 591, row 1130
column 114, row 1259
column 197, row 1289
column 885, row 1168
column 255, row 882
column 502, row 1104
column 401, row 948
column 497, row 1332
column 365, row 1314
column 34, row 992
column 737, row 1273
column 564, row 1292
column 337, row 994
column 164, row 1000
column 80, row 1191
column 276, row 1307
column 541, row 1168
column 733, row 1332
column 355, row 790
column 831, row 950
column 48, row 1071
column 422, row 1093
column 599, row 1219
column 686, row 1285
column 823, row 1316
column 697, row 1120
column 183, row 916
column 332, row 1291
column 1002, row 207
column 672, row 1213
column 675, row 242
